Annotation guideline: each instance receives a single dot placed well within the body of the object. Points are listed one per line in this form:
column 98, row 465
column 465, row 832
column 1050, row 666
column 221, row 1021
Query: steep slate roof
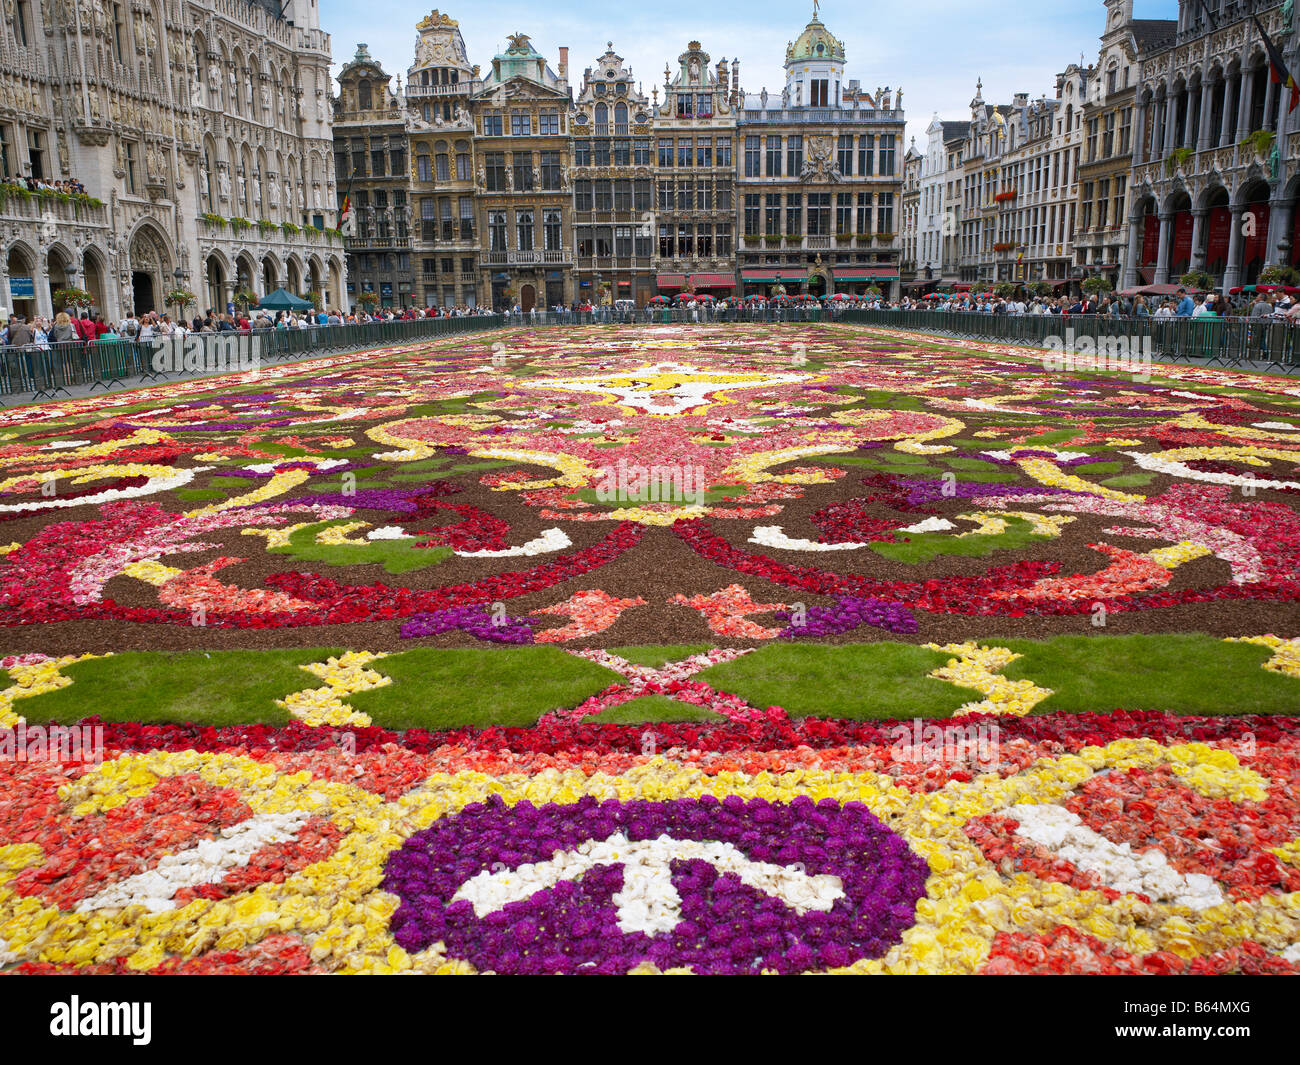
column 1152, row 34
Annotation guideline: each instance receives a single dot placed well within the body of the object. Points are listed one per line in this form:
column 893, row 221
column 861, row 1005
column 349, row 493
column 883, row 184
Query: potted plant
column 72, row 297
column 289, row 229
column 1260, row 143
column 239, row 224
column 884, row 238
column 1274, row 275
column 1177, row 160
column 265, row 226
column 214, row 220
column 1197, row 279
column 182, row 298
column 772, row 238
column 1004, row 290
column 368, row 300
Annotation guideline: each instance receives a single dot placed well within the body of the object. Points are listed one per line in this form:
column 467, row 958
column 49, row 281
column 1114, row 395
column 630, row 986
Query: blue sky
column 933, row 49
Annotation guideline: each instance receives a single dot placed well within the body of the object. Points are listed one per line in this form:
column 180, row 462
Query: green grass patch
column 859, row 681
column 204, row 688
column 1129, row 480
column 445, row 689
column 653, row 709
column 396, row 556
column 923, row 547
column 1183, row 673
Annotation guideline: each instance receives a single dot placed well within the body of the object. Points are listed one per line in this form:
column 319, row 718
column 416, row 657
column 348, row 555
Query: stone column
column 1171, row 124
column 1232, row 275
column 1243, row 105
column 1132, row 265
column 1228, row 123
column 1166, row 247
column 1203, row 133
column 1139, row 134
column 1198, row 237
column 1281, row 217
column 1187, row 138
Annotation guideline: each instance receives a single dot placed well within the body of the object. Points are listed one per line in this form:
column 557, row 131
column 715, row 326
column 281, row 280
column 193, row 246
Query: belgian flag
column 1281, row 75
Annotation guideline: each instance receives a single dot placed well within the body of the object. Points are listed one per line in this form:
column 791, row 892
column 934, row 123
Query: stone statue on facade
column 223, row 186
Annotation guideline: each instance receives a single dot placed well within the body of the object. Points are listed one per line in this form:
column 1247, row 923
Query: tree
column 1098, row 286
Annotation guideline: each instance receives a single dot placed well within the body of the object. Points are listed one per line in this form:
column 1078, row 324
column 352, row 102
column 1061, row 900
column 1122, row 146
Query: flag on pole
column 1281, row 75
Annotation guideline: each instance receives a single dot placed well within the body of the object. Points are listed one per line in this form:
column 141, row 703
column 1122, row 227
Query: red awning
column 713, row 280
column 962, row 288
column 671, row 280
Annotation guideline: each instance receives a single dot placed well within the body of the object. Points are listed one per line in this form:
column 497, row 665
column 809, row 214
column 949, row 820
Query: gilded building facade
column 200, row 131
column 522, row 113
column 613, row 185
column 819, row 177
column 370, row 153
column 695, row 132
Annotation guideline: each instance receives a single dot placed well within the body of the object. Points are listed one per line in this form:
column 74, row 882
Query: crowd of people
column 32, row 184
column 88, row 326
column 1180, row 304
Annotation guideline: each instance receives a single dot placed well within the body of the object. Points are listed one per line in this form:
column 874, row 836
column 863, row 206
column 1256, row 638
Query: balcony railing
column 460, row 88
column 37, row 208
column 527, row 258
column 814, row 115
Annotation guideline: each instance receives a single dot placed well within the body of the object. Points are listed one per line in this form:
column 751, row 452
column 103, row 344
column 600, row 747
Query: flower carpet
column 720, row 650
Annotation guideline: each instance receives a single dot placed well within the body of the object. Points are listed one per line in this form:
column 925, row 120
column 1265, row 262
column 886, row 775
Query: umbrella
column 283, row 300
column 706, row 298
column 935, row 296
column 660, row 301
column 783, row 299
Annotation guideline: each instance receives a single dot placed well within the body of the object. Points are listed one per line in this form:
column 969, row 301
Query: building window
column 463, row 171
column 363, row 96
column 378, row 162
column 622, row 153
column 494, row 171
column 772, row 219
column 550, row 170
column 866, row 155
column 521, row 124
column 845, row 160
column 548, row 123
column 523, row 166
column 794, row 156
column 467, row 218
column 497, row 230
column 704, row 151
column 423, row 169
column 641, row 152
column 885, row 213
column 665, row 153
column 428, row 222
column 794, row 214
column 819, row 94
column 492, row 125
column 684, row 152
column 864, row 212
column 524, row 230
column 552, row 230
column 582, row 199
column 751, row 214
column 752, row 157
column 129, row 158
column 774, row 156
column 843, row 214
column 604, row 196
column 119, row 33
column 36, row 154
column 724, row 152
column 887, row 151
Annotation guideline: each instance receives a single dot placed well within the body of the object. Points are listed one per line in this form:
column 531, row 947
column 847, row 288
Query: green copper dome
column 815, row 43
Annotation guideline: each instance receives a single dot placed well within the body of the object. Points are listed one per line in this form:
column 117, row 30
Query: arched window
column 363, row 95
column 620, row 118
column 602, row 118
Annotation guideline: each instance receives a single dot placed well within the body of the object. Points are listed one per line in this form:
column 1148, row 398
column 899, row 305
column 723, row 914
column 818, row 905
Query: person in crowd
column 20, row 333
column 1186, row 306
column 63, row 331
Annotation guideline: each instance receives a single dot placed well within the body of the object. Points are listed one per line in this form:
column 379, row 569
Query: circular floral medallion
column 730, row 886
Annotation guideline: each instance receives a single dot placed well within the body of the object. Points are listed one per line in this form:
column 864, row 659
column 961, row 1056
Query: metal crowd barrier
column 674, row 316
column 53, row 370
column 1231, row 342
